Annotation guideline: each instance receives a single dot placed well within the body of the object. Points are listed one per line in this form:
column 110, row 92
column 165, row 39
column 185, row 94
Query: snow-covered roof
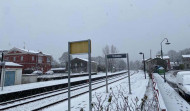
column 161, row 68
column 85, row 59
column 144, row 59
column 28, row 51
column 166, row 57
column 57, row 68
column 1, row 50
column 185, row 56
column 172, row 63
column 12, row 64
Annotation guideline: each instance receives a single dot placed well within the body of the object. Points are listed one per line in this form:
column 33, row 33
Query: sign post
column 2, row 71
column 79, row 47
column 89, row 72
column 128, row 74
column 69, row 79
column 106, row 74
column 118, row 56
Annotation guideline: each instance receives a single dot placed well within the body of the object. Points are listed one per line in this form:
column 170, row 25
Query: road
column 173, row 83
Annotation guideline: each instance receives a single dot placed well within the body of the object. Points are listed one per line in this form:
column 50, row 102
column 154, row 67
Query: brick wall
column 30, row 61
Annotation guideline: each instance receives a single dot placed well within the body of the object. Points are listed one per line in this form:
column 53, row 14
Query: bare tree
column 185, row 51
column 100, row 63
column 120, row 64
column 173, row 55
column 106, row 50
column 135, row 65
column 64, row 59
column 177, row 56
column 114, row 50
column 110, row 50
column 54, row 63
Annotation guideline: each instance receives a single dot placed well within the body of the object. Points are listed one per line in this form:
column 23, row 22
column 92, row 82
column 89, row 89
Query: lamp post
column 1, row 64
column 2, row 71
column 167, row 43
column 144, row 63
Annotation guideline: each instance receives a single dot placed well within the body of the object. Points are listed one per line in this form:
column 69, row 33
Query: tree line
column 176, row 56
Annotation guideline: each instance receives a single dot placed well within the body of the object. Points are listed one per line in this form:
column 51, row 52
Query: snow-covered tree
column 106, row 50
column 64, row 59
column 173, row 55
column 136, row 65
column 110, row 50
column 120, row 64
column 54, row 63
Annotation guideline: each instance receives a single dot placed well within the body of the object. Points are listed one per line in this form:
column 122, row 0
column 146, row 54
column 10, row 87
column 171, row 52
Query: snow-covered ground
column 151, row 103
column 172, row 100
column 60, row 75
column 119, row 92
column 52, row 99
column 170, row 77
column 16, row 88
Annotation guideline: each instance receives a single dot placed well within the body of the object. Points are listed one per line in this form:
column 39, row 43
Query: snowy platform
column 172, row 100
column 34, row 88
column 58, row 76
column 138, row 85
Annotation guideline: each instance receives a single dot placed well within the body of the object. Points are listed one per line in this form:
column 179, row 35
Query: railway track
column 45, row 93
column 50, row 96
column 52, row 91
column 49, row 105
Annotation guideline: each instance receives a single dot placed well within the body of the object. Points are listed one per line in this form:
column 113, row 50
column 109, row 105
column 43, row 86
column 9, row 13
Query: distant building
column 13, row 74
column 153, row 64
column 167, row 58
column 186, row 61
column 31, row 60
column 175, row 65
column 79, row 65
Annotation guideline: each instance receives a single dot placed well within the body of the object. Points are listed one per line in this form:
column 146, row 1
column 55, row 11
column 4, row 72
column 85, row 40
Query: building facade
column 30, row 60
column 167, row 58
column 186, row 61
column 79, row 65
column 153, row 64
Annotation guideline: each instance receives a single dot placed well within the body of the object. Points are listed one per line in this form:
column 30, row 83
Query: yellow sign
column 79, row 47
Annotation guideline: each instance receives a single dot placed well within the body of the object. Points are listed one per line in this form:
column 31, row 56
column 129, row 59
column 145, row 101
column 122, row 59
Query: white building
column 13, row 74
column 186, row 61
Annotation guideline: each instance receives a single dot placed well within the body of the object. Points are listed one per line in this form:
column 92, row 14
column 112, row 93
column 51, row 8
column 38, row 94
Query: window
column 32, row 58
column 75, row 64
column 39, row 59
column 7, row 59
column 21, row 58
column 81, row 64
column 48, row 59
column 14, row 58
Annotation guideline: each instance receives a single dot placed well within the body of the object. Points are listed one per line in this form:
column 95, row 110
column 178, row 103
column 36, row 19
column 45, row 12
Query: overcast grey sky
column 130, row 25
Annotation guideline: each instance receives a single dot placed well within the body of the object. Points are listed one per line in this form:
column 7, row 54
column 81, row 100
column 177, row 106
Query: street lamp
column 144, row 63
column 167, row 43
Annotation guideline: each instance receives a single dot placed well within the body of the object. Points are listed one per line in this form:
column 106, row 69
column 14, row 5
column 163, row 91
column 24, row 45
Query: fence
column 160, row 106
